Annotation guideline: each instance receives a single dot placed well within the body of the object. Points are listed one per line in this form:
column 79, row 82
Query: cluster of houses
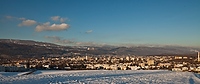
column 125, row 66
column 11, row 68
column 174, row 63
column 182, row 67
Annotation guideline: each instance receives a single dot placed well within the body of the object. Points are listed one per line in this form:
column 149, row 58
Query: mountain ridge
column 29, row 48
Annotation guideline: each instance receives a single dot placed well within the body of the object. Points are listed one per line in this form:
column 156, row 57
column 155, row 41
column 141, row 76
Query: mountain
column 27, row 48
column 12, row 48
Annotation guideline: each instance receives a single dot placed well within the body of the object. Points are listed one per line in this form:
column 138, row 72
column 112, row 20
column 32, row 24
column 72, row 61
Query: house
column 45, row 66
column 106, row 66
column 178, row 65
column 32, row 66
column 90, row 66
column 134, row 67
column 142, row 65
column 114, row 67
column 178, row 57
column 67, row 68
column 122, row 67
column 198, row 69
column 192, row 68
column 150, row 62
column 164, row 64
column 185, row 68
column 176, row 69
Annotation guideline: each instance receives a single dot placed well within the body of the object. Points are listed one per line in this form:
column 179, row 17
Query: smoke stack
column 198, row 56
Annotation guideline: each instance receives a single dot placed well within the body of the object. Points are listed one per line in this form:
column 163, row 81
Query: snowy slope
column 100, row 77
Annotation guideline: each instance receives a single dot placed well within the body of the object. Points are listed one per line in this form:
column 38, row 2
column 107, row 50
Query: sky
column 102, row 22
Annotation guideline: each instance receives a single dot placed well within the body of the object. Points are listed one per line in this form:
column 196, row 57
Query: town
column 105, row 62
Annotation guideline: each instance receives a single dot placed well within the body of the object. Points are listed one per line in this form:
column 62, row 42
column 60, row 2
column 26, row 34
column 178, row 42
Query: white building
column 134, row 67
column 176, row 69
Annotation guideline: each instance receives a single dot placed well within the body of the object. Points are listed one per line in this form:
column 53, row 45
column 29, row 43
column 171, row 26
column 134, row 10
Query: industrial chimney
column 198, row 56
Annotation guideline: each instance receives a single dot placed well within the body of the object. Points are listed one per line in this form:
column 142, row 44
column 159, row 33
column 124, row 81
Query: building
column 198, row 56
column 150, row 62
column 176, row 69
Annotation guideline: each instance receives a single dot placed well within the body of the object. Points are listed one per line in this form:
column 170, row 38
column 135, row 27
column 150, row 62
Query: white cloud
column 55, row 18
column 9, row 17
column 89, row 44
column 89, row 31
column 42, row 26
column 14, row 18
column 54, row 27
column 27, row 22
column 58, row 18
column 62, row 20
column 22, row 18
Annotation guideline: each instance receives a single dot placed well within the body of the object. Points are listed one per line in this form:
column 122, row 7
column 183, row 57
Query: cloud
column 59, row 40
column 88, row 44
column 89, row 31
column 54, row 27
column 9, row 17
column 22, row 18
column 14, row 18
column 24, row 21
column 39, row 27
column 55, row 18
column 192, row 50
column 58, row 18
column 27, row 22
column 63, row 20
column 72, row 42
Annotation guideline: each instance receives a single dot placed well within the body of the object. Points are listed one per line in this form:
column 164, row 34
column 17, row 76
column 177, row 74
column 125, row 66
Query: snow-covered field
column 100, row 77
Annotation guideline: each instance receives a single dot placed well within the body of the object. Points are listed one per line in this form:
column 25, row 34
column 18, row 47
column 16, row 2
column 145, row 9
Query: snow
column 100, row 77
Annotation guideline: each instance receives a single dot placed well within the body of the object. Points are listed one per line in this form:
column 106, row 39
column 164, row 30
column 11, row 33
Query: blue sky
column 102, row 22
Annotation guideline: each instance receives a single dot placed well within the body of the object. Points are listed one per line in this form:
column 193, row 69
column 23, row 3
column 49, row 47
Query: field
column 100, row 77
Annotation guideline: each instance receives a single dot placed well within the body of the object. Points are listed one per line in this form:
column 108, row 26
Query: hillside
column 10, row 48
